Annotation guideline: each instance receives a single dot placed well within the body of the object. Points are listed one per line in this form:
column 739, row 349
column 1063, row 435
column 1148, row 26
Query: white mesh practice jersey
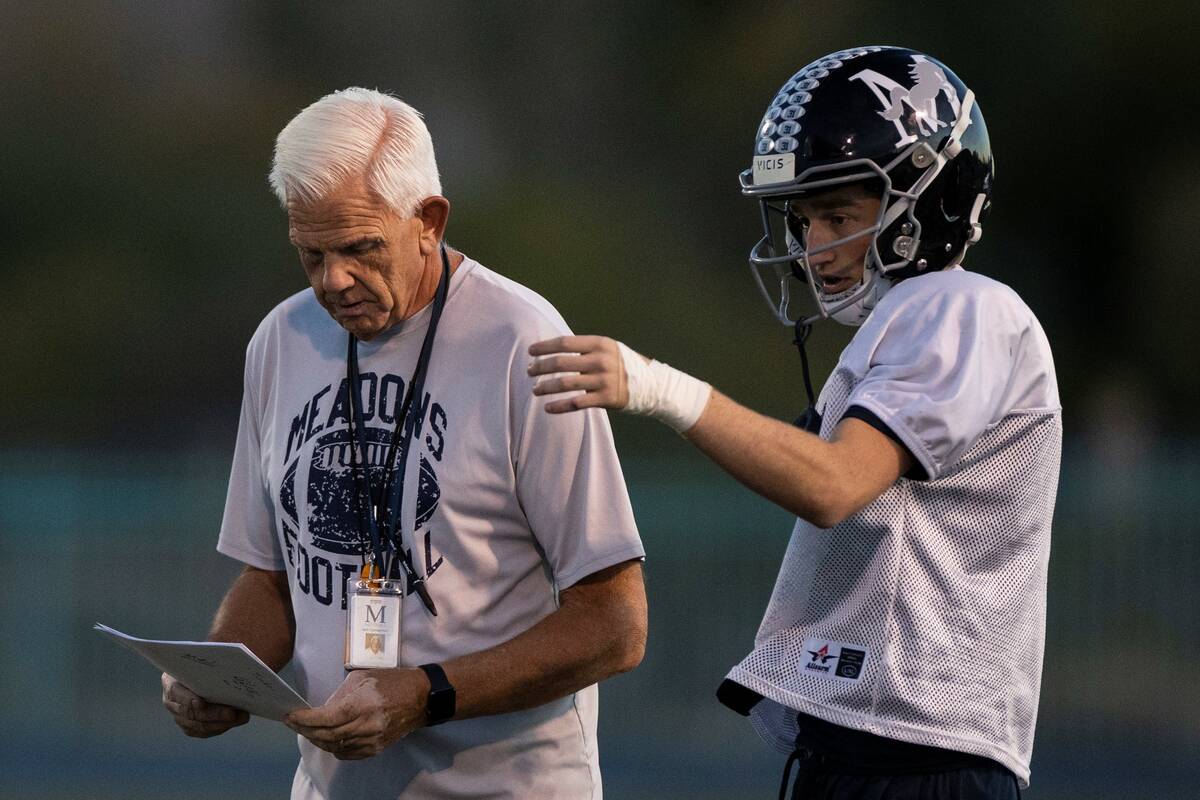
column 922, row 617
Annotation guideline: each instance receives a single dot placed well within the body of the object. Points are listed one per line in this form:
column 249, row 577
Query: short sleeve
column 248, row 526
column 570, row 485
column 941, row 369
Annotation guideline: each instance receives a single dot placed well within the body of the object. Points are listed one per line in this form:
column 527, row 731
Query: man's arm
column 598, row 630
column 257, row 612
column 821, row 481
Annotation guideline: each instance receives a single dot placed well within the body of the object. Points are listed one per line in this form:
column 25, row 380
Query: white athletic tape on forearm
column 663, row 392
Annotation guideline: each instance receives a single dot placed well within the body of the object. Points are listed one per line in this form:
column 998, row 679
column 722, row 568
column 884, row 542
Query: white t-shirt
column 511, row 505
column 922, row 617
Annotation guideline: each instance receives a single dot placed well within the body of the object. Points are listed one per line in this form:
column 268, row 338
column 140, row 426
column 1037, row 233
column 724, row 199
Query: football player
column 901, row 652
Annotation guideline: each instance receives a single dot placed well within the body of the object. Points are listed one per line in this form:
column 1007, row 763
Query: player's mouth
column 834, row 284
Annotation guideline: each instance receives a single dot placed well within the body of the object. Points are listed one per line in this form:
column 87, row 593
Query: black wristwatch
column 440, row 705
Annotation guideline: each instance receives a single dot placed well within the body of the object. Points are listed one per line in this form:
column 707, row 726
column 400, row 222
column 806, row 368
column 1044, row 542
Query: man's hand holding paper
column 194, row 715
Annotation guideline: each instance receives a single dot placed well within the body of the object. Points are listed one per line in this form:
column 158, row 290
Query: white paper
column 219, row 672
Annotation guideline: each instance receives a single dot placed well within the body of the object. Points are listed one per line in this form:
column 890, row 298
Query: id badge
column 373, row 625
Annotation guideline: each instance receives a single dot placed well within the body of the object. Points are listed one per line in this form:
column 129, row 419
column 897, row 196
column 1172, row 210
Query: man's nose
column 336, row 277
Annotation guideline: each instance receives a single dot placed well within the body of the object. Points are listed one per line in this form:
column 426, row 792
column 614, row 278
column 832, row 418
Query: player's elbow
column 832, row 503
column 840, row 507
column 822, row 515
column 849, row 473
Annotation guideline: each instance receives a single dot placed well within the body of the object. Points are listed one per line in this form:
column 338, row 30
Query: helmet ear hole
column 945, row 214
column 897, row 241
column 977, row 211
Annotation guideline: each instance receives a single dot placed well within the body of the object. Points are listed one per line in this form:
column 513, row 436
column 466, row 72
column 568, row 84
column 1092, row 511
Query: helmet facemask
column 782, row 262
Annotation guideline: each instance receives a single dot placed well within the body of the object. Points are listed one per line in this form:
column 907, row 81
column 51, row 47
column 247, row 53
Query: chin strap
column 810, row 420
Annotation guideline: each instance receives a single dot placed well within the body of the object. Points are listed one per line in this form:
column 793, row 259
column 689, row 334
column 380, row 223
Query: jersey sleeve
column 569, row 483
column 248, row 526
column 942, row 370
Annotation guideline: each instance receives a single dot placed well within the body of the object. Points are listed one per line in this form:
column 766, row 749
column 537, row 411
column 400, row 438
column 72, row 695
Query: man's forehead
column 337, row 217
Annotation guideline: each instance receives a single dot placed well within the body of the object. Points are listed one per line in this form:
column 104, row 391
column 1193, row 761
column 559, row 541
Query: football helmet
column 895, row 122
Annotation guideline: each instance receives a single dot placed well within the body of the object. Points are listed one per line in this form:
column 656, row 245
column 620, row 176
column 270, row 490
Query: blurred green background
column 590, row 152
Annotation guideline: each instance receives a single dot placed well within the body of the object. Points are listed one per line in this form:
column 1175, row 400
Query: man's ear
column 433, row 213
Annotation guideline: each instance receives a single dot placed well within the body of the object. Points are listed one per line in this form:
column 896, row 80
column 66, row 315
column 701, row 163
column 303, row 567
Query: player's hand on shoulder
column 194, row 715
column 592, row 365
column 370, row 710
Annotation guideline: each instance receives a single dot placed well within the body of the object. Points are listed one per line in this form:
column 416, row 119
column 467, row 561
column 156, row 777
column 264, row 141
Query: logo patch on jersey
column 836, row 660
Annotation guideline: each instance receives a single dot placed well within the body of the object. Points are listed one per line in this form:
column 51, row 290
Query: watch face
column 440, row 704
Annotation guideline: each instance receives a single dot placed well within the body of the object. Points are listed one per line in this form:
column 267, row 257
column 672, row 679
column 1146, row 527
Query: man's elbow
column 630, row 649
column 612, row 604
column 627, row 645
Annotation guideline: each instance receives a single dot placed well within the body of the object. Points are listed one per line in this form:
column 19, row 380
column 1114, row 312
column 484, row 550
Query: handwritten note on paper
column 217, row 671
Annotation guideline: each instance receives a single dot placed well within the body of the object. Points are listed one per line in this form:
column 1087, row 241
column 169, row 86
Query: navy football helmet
column 898, row 123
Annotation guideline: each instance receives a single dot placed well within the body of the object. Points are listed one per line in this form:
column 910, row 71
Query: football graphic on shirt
column 428, row 493
column 287, row 495
column 333, row 505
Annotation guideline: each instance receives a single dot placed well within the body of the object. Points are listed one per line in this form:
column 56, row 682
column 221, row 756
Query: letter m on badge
column 377, row 614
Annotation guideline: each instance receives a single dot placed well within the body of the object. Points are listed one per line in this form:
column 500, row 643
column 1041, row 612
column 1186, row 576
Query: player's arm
column 257, row 612
column 821, row 481
column 598, row 630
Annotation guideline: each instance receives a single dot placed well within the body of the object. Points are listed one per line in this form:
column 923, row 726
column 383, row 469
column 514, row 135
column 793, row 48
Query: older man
column 391, row 459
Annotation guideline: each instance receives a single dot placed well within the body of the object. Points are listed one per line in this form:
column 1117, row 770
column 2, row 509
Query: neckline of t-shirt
column 418, row 322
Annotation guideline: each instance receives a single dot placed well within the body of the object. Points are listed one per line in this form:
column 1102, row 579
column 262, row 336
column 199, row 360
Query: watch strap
column 441, row 702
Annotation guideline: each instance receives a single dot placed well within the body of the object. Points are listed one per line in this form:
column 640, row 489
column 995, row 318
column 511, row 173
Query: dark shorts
column 835, row 763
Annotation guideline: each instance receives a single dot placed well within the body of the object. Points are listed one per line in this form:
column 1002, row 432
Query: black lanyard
column 383, row 522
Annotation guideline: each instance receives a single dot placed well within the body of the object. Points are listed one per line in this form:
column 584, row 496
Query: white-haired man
column 485, row 553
